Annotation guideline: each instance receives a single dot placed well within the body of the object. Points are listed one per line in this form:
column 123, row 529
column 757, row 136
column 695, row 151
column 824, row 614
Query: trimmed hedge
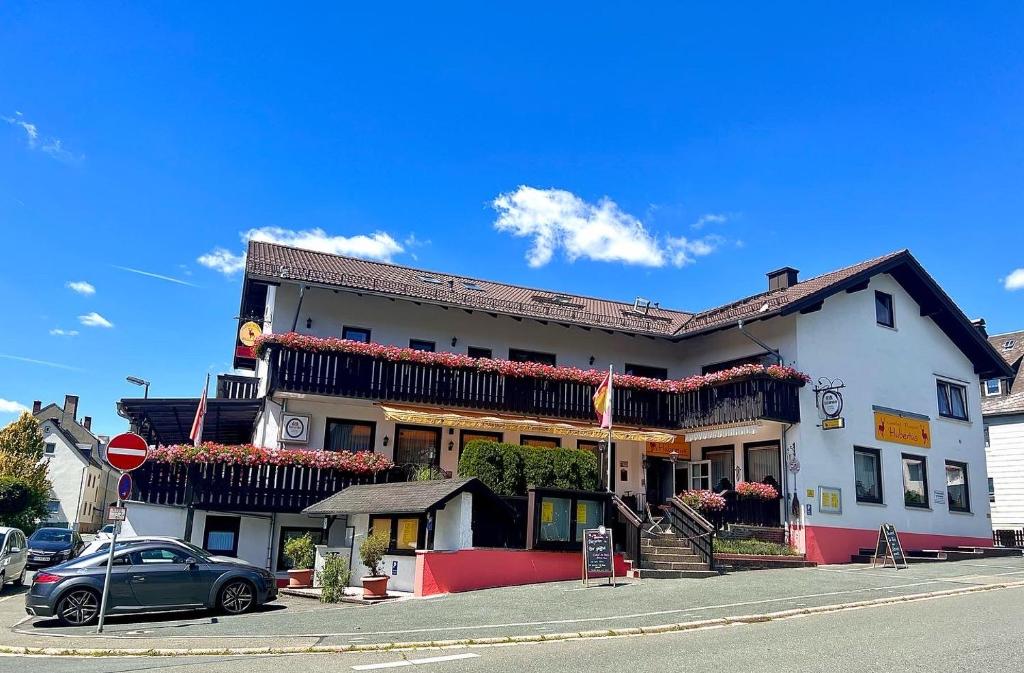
column 508, row 469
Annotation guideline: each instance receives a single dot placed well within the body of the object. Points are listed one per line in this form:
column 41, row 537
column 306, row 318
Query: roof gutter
column 766, row 347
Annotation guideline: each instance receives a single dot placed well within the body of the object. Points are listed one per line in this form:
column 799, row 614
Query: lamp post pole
column 673, row 457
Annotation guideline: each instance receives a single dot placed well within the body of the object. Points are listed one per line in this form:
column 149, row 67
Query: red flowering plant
column 755, row 490
column 703, row 500
column 359, row 462
column 521, row 369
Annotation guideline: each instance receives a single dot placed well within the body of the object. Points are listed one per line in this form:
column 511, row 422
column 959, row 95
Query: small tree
column 372, row 550
column 23, row 437
column 300, row 552
column 23, row 482
column 334, row 577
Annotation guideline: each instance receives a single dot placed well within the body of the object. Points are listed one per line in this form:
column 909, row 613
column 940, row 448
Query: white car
column 106, row 532
column 13, row 556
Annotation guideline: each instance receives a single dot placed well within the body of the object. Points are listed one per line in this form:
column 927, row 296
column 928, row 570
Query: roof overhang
column 169, row 420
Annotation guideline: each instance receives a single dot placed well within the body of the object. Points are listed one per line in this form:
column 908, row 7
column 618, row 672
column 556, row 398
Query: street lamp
column 673, row 457
column 140, row 382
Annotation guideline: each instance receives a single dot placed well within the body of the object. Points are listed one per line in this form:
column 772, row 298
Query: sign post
column 598, row 556
column 125, row 452
column 889, row 548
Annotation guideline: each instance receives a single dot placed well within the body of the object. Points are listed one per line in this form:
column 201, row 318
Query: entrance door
column 700, row 475
column 682, row 477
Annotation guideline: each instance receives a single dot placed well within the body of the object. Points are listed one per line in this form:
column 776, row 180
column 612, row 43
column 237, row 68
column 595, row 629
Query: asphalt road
column 971, row 632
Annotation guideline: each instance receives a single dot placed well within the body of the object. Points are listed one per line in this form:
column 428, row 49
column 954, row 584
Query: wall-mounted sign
column 830, row 500
column 810, row 493
column 833, row 423
column 294, row 428
column 831, row 403
column 665, row 449
column 247, row 334
column 891, row 427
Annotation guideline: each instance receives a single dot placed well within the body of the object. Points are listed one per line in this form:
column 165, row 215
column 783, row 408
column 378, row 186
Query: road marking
column 415, row 662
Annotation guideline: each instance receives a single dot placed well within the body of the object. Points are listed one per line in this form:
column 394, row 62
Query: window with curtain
column 867, row 471
column 723, row 465
column 952, row 400
column 468, row 436
column 346, row 435
column 957, row 494
column 915, row 481
column 543, row 442
column 417, row 446
column 355, row 334
column 763, row 461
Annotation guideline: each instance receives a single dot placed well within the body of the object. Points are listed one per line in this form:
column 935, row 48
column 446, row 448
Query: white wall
column 65, row 470
column 146, row 519
column 401, row 579
column 453, row 527
column 1006, row 467
column 894, row 368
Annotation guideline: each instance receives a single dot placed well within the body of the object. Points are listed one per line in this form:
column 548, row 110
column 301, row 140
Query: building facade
column 879, row 336
column 1003, row 408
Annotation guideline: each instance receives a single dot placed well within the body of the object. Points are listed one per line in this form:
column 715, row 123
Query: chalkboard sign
column 597, row 553
column 889, row 547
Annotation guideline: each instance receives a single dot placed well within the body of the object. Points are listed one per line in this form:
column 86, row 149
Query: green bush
column 509, row 469
column 752, row 547
column 333, row 578
column 300, row 552
column 372, row 550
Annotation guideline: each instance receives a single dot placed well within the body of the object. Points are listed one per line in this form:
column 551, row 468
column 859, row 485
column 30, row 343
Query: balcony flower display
column 360, row 462
column 508, row 368
column 703, row 501
column 755, row 490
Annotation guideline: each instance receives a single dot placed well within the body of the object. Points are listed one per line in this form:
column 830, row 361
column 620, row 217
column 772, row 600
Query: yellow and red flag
column 603, row 402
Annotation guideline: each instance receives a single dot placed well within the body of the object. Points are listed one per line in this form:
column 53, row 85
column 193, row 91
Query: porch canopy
column 169, row 420
column 481, row 421
column 410, row 497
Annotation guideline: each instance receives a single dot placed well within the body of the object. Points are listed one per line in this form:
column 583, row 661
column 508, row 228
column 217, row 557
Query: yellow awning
column 478, row 421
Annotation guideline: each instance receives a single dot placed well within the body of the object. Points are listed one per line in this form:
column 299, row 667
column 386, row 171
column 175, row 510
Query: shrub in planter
column 333, row 578
column 371, row 553
column 301, row 553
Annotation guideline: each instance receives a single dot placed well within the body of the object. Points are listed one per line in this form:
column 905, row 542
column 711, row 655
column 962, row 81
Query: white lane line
column 414, row 662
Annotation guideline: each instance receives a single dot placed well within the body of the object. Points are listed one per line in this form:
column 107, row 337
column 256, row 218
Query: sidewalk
column 530, row 612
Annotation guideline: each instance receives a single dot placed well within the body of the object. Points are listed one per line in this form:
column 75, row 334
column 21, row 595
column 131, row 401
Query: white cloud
column 709, row 218
column 150, row 274
column 94, row 319
column 57, row 331
column 1015, row 281
column 378, row 245
column 557, row 219
column 81, row 287
column 11, row 407
column 50, row 145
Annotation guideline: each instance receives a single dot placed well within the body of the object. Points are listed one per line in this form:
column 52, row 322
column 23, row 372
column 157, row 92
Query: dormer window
column 993, row 387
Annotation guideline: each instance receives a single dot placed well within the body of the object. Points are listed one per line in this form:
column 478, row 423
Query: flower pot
column 375, row 587
column 300, row 578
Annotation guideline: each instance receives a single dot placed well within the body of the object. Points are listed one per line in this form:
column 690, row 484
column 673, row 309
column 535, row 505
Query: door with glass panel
column 700, row 475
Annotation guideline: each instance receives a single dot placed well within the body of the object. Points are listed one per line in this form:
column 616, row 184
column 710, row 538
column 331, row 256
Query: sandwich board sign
column 597, row 554
column 888, row 548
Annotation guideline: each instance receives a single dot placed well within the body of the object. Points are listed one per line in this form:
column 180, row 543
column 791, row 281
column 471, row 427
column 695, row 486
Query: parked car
column 13, row 556
column 49, row 546
column 106, row 532
column 103, row 544
column 152, row 576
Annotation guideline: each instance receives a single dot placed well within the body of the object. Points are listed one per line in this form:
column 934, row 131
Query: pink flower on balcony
column 756, row 490
column 703, row 500
column 361, row 462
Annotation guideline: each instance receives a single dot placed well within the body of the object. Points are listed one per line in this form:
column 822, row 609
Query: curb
column 503, row 640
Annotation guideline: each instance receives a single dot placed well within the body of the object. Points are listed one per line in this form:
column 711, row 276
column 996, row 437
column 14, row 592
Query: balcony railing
column 235, row 387
column 368, row 377
column 252, row 488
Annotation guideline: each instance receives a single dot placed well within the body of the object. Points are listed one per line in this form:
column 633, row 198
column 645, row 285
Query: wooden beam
column 863, row 285
column 812, row 308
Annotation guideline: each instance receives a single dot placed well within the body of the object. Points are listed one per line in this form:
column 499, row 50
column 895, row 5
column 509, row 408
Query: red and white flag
column 197, row 424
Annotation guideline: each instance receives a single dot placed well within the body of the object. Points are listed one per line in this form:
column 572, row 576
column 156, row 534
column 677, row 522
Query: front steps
column 865, row 555
column 667, row 556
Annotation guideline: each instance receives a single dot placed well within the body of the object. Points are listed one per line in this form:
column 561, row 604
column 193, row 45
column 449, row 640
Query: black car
column 149, row 577
column 50, row 546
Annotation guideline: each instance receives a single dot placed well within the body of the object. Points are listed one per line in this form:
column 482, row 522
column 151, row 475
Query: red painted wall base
column 826, row 544
column 442, row 572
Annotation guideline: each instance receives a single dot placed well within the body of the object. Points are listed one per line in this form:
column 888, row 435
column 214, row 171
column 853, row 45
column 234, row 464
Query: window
column 647, row 372
column 761, row 461
column 883, row 310
column 763, row 359
column 159, row 556
column 288, row 533
column 345, row 435
column 991, row 490
column 988, row 439
column 469, row 285
column 420, row 345
column 404, row 532
column 1008, row 344
column 723, row 465
column 993, row 387
column 958, row 494
column 477, row 352
column 543, row 442
column 417, row 446
column 867, row 472
column 952, row 400
column 49, row 448
column 53, row 506
column 915, row 481
column 468, row 436
column 355, row 334
column 518, row 355
column 221, row 535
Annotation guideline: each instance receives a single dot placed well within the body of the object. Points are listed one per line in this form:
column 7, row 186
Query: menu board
column 597, row 550
column 889, row 547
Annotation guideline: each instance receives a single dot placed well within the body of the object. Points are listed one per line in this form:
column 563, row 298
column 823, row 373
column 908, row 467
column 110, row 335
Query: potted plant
column 371, row 553
column 301, row 554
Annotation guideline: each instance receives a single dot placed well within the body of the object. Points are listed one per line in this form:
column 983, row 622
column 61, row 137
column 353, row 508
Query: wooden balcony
column 235, row 387
column 368, row 377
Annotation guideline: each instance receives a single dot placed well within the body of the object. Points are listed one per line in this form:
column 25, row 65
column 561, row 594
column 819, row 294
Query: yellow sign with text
column 903, row 430
column 665, row 449
column 547, row 511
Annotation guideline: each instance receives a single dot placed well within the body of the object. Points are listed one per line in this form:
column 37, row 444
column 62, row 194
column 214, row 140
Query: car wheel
column 237, row 597
column 19, row 581
column 78, row 607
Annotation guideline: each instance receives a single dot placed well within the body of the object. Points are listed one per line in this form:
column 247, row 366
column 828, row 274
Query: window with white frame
column 915, row 481
column 952, row 399
column 993, row 387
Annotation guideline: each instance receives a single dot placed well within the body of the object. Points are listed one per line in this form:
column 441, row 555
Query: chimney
column 36, row 406
column 979, row 324
column 782, row 278
column 71, row 406
column 87, row 423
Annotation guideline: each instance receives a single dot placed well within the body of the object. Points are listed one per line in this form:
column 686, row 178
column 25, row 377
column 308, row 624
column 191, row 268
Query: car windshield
column 51, row 535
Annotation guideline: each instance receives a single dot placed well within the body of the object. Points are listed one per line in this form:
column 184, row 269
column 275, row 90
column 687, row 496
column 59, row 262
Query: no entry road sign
column 127, row 451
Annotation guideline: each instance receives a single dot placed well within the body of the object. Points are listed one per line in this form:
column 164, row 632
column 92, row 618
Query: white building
column 82, row 483
column 911, row 450
column 1003, row 406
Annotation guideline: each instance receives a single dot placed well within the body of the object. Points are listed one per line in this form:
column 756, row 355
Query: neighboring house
column 911, row 451
column 1003, row 407
column 81, row 481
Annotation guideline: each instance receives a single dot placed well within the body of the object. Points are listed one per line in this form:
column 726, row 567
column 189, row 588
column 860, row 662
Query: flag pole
column 611, row 403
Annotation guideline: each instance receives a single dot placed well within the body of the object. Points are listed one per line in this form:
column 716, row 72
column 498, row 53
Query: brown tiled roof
column 277, row 261
column 1012, row 401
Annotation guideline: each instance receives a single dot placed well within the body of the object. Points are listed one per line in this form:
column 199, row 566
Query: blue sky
column 672, row 152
